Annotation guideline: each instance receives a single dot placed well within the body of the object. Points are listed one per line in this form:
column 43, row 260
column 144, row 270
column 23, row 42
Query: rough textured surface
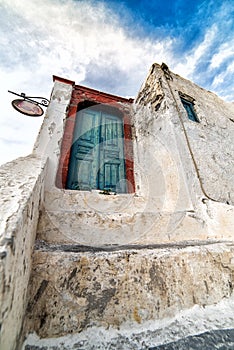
column 70, row 292
column 219, row 339
column 20, row 195
column 49, row 140
column 90, row 218
column 216, row 320
column 210, row 140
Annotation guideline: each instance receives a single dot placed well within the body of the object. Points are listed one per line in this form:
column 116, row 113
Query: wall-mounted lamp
column 28, row 106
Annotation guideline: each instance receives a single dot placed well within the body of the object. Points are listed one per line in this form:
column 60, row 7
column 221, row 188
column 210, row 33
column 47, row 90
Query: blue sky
column 107, row 45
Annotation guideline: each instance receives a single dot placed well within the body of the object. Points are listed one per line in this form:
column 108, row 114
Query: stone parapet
column 21, row 193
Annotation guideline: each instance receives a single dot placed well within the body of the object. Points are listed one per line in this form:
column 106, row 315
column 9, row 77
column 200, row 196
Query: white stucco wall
column 211, row 139
column 49, row 139
column 184, row 187
column 194, row 161
column 22, row 184
column 21, row 194
column 182, row 190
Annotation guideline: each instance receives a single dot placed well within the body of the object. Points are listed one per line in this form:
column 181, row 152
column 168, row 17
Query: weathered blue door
column 97, row 154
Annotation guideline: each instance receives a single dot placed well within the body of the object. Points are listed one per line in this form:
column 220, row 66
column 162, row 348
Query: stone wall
column 21, row 194
column 74, row 288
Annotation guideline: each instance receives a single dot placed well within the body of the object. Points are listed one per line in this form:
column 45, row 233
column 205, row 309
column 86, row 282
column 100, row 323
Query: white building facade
column 136, row 228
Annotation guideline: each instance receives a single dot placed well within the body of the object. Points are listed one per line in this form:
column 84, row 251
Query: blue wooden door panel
column 84, row 153
column 97, row 155
column 111, row 172
column 112, row 165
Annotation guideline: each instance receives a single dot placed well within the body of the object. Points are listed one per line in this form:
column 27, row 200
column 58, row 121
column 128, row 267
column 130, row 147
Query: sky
column 109, row 46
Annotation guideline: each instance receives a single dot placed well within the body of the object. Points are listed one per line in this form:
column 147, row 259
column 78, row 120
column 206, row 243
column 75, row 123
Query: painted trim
column 63, row 80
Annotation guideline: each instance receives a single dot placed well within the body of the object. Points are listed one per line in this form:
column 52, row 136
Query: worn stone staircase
column 131, row 297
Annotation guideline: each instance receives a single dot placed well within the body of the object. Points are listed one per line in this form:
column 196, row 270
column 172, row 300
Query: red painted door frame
column 81, row 95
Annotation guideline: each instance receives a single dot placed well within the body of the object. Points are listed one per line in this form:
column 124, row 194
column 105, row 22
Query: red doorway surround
column 83, row 94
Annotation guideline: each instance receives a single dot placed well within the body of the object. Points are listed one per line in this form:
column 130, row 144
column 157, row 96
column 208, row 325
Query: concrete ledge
column 73, row 291
column 210, row 327
column 20, row 196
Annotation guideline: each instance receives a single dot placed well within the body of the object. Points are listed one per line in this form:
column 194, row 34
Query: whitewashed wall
column 21, row 194
column 182, row 172
column 184, row 186
column 22, row 184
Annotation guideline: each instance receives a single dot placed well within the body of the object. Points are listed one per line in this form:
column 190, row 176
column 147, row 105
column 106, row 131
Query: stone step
column 73, row 290
column 220, row 339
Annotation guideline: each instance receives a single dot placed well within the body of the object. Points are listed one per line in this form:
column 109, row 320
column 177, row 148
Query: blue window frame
column 189, row 107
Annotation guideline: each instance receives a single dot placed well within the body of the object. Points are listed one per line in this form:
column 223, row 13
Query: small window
column 189, row 107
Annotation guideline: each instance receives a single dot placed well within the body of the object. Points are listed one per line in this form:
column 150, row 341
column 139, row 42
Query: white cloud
column 224, row 77
column 226, row 50
column 190, row 61
column 83, row 41
column 64, row 38
column 218, row 79
column 67, row 36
